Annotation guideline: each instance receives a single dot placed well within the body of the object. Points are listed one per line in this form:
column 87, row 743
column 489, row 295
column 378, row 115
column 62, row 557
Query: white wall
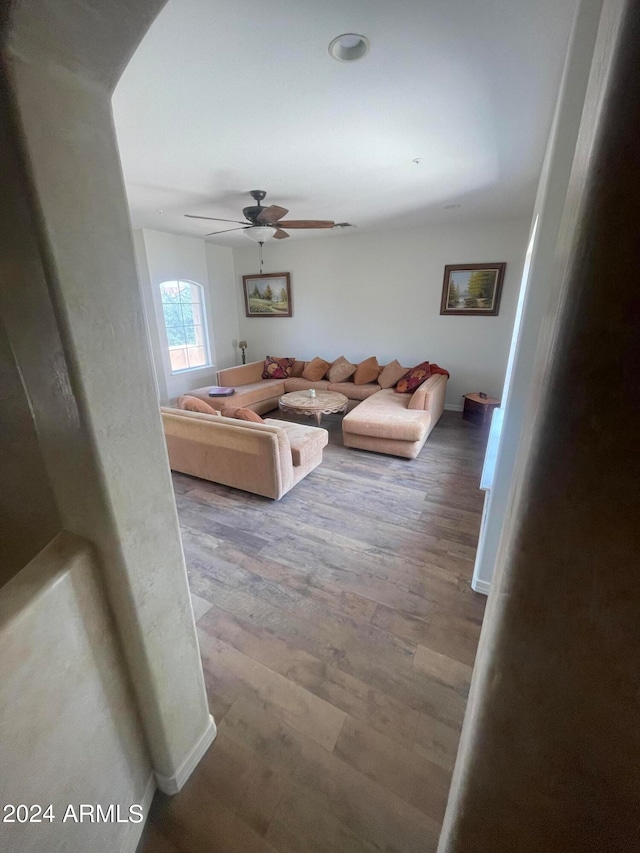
column 549, row 207
column 379, row 294
column 166, row 257
column 75, row 323
column 28, row 514
column 222, row 286
column 70, row 730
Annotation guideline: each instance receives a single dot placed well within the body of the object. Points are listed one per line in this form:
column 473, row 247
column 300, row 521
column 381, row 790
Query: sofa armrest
column 306, row 442
column 430, row 396
column 244, row 374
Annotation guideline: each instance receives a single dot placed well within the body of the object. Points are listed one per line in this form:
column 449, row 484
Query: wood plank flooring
column 338, row 632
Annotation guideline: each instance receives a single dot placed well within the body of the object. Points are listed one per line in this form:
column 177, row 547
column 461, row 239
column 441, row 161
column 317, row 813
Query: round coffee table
column 324, row 403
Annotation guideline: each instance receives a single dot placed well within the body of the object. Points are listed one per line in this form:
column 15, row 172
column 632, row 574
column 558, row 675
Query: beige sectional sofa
column 262, row 395
column 398, row 424
column 378, row 419
column 266, row 459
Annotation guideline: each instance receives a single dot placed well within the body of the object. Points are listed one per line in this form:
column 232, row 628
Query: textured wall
column 70, row 731
column 549, row 754
column 28, row 513
column 75, row 320
column 549, row 207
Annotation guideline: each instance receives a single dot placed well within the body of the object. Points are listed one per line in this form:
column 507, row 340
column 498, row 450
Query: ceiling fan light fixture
column 260, row 233
column 348, row 47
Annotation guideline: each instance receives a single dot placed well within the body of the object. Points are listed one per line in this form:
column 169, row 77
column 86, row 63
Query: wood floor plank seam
column 380, row 812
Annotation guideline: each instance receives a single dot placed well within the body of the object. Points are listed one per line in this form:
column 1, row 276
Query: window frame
column 204, row 325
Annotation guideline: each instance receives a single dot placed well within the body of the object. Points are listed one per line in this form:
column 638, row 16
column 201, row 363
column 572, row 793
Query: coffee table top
column 326, row 402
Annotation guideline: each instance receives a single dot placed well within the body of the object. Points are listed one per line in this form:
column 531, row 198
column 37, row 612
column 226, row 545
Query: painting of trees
column 454, row 295
column 480, row 288
column 472, row 289
column 267, row 295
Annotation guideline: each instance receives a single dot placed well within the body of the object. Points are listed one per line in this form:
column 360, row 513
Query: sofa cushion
column 301, row 384
column 245, row 395
column 391, row 374
column 414, row 377
column 315, row 369
column 277, row 368
column 241, row 414
column 385, row 415
column 340, row 370
column 194, row 404
column 367, row 371
column 306, row 442
column 241, row 374
column 353, row 391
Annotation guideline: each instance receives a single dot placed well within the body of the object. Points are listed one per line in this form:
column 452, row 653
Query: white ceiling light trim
column 260, row 233
column 348, row 47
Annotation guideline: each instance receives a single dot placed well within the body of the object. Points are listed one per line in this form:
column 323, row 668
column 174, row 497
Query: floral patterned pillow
column 412, row 378
column 277, row 368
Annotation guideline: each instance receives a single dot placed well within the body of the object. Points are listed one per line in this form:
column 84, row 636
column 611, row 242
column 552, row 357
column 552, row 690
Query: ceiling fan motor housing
column 252, row 213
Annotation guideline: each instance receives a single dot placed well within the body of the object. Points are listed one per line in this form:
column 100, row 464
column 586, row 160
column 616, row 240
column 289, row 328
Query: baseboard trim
column 450, row 407
column 134, row 831
column 481, row 586
column 172, row 784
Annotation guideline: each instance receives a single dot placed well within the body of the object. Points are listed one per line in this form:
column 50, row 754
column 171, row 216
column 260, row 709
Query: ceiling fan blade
column 214, row 219
column 307, row 223
column 227, row 230
column 279, row 234
column 271, row 214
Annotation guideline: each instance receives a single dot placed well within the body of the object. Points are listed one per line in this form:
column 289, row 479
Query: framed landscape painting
column 472, row 289
column 267, row 295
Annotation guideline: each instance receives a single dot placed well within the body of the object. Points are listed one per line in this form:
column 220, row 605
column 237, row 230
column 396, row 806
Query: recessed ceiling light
column 348, row 47
column 452, row 206
column 159, row 210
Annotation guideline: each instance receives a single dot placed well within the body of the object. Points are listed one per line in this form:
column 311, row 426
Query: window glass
column 184, row 318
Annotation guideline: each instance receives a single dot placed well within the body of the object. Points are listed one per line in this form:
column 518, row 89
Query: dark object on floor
column 478, row 409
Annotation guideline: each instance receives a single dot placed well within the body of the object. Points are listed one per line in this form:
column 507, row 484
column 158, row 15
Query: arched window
column 185, row 320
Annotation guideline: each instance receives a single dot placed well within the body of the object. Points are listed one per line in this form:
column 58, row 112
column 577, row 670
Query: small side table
column 478, row 410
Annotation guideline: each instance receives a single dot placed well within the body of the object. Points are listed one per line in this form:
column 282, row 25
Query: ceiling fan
column 262, row 223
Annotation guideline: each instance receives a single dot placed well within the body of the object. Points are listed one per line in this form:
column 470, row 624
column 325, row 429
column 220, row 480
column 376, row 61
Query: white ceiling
column 225, row 96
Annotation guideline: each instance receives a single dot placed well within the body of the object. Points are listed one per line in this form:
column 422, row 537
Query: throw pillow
column 414, row 377
column 296, row 370
column 193, row 404
column 367, row 371
column 391, row 374
column 341, row 370
column 241, row 414
column 315, row 369
column 277, row 368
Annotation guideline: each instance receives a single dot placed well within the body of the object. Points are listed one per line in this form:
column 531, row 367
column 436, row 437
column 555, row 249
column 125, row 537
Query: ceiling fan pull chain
column 260, row 245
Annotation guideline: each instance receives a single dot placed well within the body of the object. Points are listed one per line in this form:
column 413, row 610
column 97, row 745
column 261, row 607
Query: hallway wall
column 29, row 518
column 70, row 730
column 74, row 320
column 548, row 759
